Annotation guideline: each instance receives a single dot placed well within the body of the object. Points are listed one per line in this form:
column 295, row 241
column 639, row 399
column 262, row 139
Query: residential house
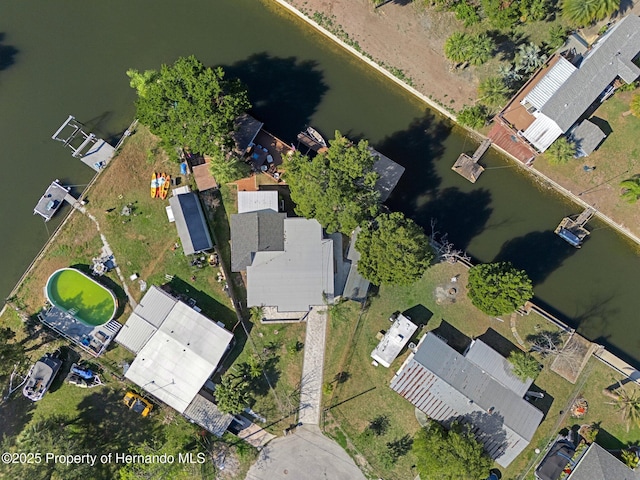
column 478, row 388
column 559, row 97
column 177, row 350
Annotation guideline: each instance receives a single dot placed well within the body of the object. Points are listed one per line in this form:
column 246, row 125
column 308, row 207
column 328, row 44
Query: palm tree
column 493, row 91
column 481, row 48
column 634, row 106
column 628, row 402
column 585, row 12
column 529, row 57
column 457, row 46
column 560, row 151
column 631, row 189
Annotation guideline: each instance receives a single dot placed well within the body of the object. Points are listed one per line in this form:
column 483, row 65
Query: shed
column 587, row 136
column 203, row 177
column 191, row 223
column 394, row 341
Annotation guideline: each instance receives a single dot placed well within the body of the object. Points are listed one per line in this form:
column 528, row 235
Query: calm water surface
column 60, row 58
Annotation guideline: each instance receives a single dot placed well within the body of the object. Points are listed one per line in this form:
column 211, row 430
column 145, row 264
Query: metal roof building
column 448, row 386
column 299, row 276
column 394, row 341
column 177, row 350
column 259, row 200
column 356, row 286
column 253, row 232
column 191, row 223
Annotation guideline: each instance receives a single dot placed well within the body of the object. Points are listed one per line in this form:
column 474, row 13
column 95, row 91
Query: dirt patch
column 403, row 36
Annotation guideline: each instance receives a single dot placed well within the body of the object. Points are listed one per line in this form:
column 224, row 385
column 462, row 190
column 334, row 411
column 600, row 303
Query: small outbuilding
column 394, row 340
column 191, row 223
column 587, row 136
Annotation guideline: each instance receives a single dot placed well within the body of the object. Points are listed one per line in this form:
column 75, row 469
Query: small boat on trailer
column 41, row 376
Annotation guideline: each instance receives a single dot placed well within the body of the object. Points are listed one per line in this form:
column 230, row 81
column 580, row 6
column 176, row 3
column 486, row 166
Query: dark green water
column 71, row 57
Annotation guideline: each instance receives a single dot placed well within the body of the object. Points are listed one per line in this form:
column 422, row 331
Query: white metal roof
column 135, row 333
column 550, row 83
column 296, row 278
column 180, row 356
column 155, row 306
column 542, row 132
column 394, row 341
column 260, row 200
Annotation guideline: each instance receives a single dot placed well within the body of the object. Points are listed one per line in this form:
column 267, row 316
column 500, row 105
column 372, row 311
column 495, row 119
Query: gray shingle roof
column 206, row 414
column 609, row 58
column 600, row 464
column 252, row 232
column 190, row 222
column 390, row 173
column 246, row 129
column 446, row 386
column 587, row 136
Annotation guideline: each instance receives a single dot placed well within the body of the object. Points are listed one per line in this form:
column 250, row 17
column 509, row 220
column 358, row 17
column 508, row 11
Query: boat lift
column 572, row 229
column 93, row 151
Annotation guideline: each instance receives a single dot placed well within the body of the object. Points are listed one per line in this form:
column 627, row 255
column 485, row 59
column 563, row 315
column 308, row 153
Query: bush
column 474, row 116
column 524, row 365
column 467, row 13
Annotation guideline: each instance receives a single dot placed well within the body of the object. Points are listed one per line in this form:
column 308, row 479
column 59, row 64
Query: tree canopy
column 560, row 151
column 393, row 250
column 336, row 187
column 631, row 189
column 188, row 104
column 475, row 49
column 498, row 288
column 232, row 394
column 584, row 12
column 493, row 91
column 450, row 454
column 524, row 365
column 474, row 116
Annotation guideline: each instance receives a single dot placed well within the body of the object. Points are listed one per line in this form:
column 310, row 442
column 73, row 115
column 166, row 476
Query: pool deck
column 92, row 339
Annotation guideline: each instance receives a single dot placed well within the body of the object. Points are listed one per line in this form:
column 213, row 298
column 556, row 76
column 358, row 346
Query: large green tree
column 524, row 365
column 393, row 250
column 189, row 105
column 336, row 187
column 452, row 454
column 498, row 288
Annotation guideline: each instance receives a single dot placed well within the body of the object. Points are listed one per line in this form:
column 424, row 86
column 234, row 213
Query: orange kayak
column 154, row 185
column 164, row 188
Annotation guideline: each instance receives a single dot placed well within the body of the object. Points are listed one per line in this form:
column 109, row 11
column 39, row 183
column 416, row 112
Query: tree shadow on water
column 538, row 253
column 7, row 54
column 416, row 149
column 286, row 91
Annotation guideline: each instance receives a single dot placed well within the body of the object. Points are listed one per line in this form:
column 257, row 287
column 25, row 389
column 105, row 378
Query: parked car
column 138, row 404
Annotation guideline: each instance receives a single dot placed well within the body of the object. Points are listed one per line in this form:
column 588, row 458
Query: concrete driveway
column 304, row 455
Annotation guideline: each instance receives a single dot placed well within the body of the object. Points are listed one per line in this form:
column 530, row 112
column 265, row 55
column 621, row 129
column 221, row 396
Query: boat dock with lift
column 52, row 199
column 93, row 151
column 468, row 166
column 572, row 230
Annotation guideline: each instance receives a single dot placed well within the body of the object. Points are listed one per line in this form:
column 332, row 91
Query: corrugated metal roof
column 135, row 333
column 446, row 386
column 609, row 58
column 497, row 366
column 542, row 133
column 587, row 136
column 190, row 222
column 296, row 278
column 550, row 83
column 394, row 341
column 255, row 201
column 253, row 232
column 206, row 414
column 155, row 306
column 180, row 356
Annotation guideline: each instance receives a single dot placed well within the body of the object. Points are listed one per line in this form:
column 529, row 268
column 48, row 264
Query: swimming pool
column 81, row 296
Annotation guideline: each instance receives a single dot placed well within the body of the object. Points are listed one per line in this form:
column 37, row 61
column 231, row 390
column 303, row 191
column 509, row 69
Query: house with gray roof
column 477, row 388
column 177, row 350
column 253, row 232
column 565, row 93
column 191, row 223
column 596, row 462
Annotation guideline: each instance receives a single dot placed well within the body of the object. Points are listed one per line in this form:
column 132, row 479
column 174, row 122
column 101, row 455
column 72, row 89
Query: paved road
column 311, row 382
column 304, row 455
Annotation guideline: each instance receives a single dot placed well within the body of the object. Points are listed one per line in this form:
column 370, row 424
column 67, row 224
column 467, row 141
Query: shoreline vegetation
column 332, row 30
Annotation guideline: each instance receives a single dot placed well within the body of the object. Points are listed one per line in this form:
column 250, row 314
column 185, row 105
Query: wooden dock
column 572, row 230
column 51, row 201
column 468, row 166
column 310, row 143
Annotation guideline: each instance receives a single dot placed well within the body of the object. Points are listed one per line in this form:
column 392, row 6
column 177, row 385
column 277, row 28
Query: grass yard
column 361, row 392
column 617, row 159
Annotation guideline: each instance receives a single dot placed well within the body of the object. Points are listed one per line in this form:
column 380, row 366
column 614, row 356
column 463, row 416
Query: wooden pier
column 572, row 230
column 468, row 166
column 312, row 144
column 52, row 199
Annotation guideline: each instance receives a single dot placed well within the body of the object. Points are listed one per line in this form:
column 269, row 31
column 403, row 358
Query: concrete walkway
column 306, row 454
column 311, row 382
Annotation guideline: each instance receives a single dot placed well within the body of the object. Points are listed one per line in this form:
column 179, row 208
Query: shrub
column 474, row 116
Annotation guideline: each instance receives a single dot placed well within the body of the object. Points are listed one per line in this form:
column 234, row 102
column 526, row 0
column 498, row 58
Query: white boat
column 41, row 376
column 313, row 133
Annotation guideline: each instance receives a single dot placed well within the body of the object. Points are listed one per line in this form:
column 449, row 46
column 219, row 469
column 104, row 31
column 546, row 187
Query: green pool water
column 83, row 297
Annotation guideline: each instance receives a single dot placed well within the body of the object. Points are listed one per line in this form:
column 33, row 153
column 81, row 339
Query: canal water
column 61, row 58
